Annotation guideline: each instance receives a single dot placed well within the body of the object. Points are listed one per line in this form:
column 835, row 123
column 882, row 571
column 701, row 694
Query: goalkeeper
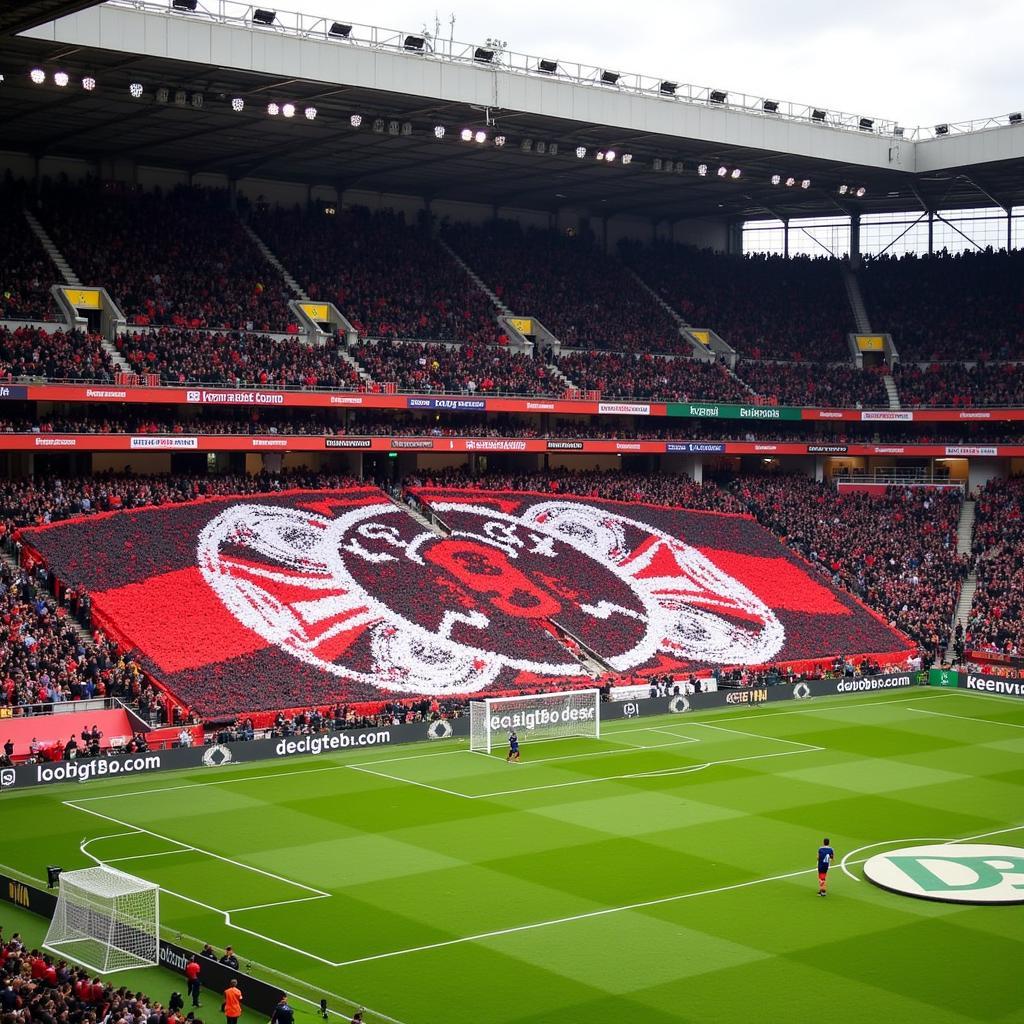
column 513, row 747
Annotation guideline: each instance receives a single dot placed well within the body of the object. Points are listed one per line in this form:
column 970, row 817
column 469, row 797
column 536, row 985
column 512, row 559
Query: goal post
column 106, row 920
column 539, row 716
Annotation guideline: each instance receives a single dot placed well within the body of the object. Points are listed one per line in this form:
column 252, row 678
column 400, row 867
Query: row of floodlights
column 61, row 79
column 702, row 170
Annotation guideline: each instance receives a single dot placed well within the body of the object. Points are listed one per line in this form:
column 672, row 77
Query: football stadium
column 492, row 539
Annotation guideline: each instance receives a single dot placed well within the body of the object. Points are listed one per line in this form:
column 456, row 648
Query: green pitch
column 662, row 873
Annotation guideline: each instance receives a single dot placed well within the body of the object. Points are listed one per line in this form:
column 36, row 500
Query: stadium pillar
column 233, row 193
column 931, row 232
column 854, row 238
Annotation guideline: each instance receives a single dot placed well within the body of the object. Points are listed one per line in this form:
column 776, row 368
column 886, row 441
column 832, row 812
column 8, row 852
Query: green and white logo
column 952, row 872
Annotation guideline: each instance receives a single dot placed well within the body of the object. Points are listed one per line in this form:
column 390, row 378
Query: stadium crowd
column 954, row 385
column 948, row 306
column 26, row 272
column 836, row 385
column 584, row 297
column 62, row 355
column 177, row 258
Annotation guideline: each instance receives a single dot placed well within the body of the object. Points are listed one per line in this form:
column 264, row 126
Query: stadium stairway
column 70, row 277
column 892, row 391
column 562, row 378
column 857, row 307
column 475, row 278
column 268, row 255
column 115, row 356
column 964, row 540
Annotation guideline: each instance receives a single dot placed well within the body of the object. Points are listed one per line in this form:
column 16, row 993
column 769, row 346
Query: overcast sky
column 917, row 62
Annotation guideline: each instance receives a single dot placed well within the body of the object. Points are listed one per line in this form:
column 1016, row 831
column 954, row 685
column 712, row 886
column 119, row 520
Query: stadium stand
column 26, row 272
column 389, row 278
column 585, row 298
column 837, row 385
column 31, row 352
column 958, row 386
column 178, row 258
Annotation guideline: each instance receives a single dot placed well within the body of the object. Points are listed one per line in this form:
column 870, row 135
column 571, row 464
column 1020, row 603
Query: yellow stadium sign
column 704, row 337
column 316, row 311
column 83, row 298
column 522, row 324
column 870, row 343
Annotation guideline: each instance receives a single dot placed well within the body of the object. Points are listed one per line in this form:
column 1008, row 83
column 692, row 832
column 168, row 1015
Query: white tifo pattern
column 106, row 920
column 540, row 716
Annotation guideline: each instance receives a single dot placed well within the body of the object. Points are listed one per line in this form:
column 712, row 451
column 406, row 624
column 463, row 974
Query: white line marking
column 408, row 782
column 966, row 718
column 278, row 903
column 758, row 736
column 144, row 856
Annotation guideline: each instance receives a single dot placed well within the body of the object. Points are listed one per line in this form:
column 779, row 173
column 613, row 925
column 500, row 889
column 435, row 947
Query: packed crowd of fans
column 625, row 375
column 996, row 618
column 389, row 278
column 954, row 385
column 62, row 355
column 462, row 369
column 948, row 306
column 26, row 272
column 178, row 258
column 838, row 385
column 765, row 307
column 236, row 359
column 584, row 297
column 897, row 553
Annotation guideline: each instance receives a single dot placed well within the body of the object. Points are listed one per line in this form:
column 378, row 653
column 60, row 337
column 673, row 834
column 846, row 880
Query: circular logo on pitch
column 440, row 729
column 217, row 756
column 952, row 872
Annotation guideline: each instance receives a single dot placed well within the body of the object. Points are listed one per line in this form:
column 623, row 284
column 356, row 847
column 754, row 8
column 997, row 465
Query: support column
column 931, row 232
column 854, row 238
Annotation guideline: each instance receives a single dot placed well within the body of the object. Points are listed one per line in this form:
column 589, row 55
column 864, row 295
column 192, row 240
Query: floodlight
column 481, row 137
column 466, row 135
column 610, row 77
column 736, row 172
column 356, row 120
column 866, row 124
column 499, row 140
column 861, row 191
column 273, row 109
column 548, row 67
column 414, row 44
column 723, row 171
column 817, row 114
column 340, row 31
column 898, row 132
column 184, row 5
column 310, row 113
column 263, row 17
column 776, row 179
column 599, row 155
column 581, row 152
column 38, row 76
column 610, row 155
column 942, row 129
column 88, row 83
column 135, row 90
column 288, row 110
column 627, row 158
column 790, row 182
column 238, row 104
column 543, row 147
column 407, row 128
column 526, row 145
column 1015, row 118
column 702, row 170
column 483, row 54
column 717, row 96
column 770, row 106
column 679, row 167
column 60, row 78
column 180, row 97
column 552, row 148
column 378, row 125
column 806, row 183
column 668, row 88
column 843, row 189
column 196, row 99
column 438, row 131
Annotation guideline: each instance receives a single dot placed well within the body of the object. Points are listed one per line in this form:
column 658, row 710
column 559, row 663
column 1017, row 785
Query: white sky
column 918, row 62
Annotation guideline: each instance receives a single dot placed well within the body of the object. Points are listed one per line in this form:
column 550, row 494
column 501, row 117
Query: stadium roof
column 109, row 123
column 19, row 17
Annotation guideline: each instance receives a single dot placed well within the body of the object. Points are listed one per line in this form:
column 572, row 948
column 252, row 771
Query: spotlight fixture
column 184, row 5
column 60, row 78
column 466, row 135
column 499, row 140
column 770, row 106
column 898, row 132
column 238, row 104
column 806, row 183
column 627, row 158
column 542, row 148
column 480, row 137
column 483, row 55
column 942, row 129
column 599, row 155
column 581, row 152
column 273, row 109
column 717, row 96
column 340, row 31
column 88, row 83
column 547, row 67
column 1014, row 118
column 860, row 192
column 866, row 124
column 790, row 182
column 702, row 170
column 288, row 110
column 526, row 145
column 656, row 164
column 163, row 95
column 610, row 155
column 261, row 16
column 180, row 98
column 723, row 171
column 356, row 120
column 843, row 189
column 378, row 126
column 610, row 77
column 680, row 166
column 414, row 44
column 393, row 127
column 817, row 114
column 38, row 76
column 438, row 131
column 735, row 175
column 776, row 179
column 668, row 88
column 136, row 90
column 406, row 128
column 196, row 99
column 310, row 113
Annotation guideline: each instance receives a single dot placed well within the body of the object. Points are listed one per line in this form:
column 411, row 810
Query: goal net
column 541, row 716
column 106, row 920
